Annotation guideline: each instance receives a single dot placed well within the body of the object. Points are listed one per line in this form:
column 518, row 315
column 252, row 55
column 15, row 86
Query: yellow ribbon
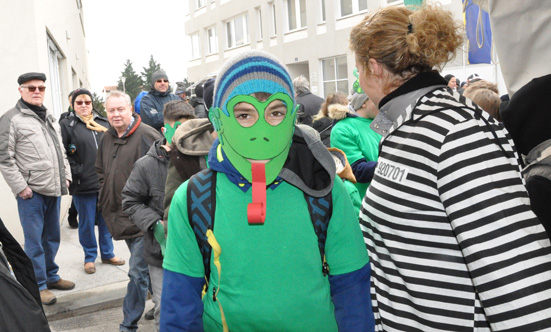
column 217, row 251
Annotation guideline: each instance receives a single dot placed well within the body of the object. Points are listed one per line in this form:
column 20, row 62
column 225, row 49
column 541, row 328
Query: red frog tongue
column 256, row 211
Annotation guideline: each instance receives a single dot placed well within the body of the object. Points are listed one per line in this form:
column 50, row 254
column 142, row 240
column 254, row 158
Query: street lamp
column 123, row 80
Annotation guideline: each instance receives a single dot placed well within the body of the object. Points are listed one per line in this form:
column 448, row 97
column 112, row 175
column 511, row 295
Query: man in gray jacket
column 35, row 167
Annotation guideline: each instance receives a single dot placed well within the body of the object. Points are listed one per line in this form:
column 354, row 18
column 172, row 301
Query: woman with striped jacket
column 453, row 243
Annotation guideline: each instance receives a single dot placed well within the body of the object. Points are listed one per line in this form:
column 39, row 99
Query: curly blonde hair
column 332, row 98
column 407, row 42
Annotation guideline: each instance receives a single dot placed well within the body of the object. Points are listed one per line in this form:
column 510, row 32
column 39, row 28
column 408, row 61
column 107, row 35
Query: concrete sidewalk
column 102, row 290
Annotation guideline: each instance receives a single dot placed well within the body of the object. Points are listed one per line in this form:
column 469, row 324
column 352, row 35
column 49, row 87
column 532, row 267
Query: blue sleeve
column 150, row 114
column 351, row 296
column 363, row 170
column 181, row 304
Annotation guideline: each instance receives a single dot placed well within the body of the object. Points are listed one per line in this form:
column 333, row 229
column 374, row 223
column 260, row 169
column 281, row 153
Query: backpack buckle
column 325, row 269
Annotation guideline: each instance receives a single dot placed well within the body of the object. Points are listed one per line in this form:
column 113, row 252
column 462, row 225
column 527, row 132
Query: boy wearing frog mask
column 143, row 194
column 266, row 272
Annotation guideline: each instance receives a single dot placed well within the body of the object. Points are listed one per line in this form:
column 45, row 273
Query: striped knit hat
column 250, row 72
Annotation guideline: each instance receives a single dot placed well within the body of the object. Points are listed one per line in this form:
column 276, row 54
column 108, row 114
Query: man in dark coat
column 309, row 103
column 198, row 103
column 126, row 141
column 151, row 105
column 19, row 299
column 528, row 120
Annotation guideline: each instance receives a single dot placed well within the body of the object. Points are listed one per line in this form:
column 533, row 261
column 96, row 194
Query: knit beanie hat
column 358, row 100
column 249, row 72
column 79, row 92
column 159, row 74
column 241, row 76
column 208, row 92
column 199, row 90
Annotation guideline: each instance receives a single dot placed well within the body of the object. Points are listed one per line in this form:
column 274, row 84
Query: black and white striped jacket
column 452, row 241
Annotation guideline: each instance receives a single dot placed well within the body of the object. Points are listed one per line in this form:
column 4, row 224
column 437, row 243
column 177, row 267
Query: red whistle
column 256, row 211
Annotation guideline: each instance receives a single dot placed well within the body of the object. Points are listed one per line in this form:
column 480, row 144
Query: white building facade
column 47, row 37
column 309, row 36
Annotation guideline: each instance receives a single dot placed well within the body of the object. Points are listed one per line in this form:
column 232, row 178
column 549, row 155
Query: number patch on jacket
column 392, row 172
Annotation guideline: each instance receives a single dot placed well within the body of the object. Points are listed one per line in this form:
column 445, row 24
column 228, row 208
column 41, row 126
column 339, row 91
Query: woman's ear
column 374, row 67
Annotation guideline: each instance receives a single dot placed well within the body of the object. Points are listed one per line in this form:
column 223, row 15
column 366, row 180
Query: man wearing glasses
column 151, row 105
column 35, row 167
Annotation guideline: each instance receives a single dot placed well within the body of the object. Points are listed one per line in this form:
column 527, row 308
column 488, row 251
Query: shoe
column 62, row 285
column 89, row 268
column 150, row 315
column 114, row 261
column 47, row 297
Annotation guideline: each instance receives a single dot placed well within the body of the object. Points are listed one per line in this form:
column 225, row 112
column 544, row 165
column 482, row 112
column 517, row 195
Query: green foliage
column 153, row 66
column 133, row 83
column 98, row 104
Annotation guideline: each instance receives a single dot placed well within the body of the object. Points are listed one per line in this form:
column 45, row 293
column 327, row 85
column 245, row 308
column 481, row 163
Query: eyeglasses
column 162, row 81
column 87, row 102
column 33, row 88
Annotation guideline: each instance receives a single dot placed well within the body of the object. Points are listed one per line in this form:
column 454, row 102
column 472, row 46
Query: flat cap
column 31, row 76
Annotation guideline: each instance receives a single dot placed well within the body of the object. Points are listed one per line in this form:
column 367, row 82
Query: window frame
column 298, row 13
column 212, row 45
column 355, row 7
column 195, row 46
column 231, row 41
column 336, row 80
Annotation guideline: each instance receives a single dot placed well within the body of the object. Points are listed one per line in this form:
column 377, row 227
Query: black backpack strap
column 321, row 209
column 201, row 205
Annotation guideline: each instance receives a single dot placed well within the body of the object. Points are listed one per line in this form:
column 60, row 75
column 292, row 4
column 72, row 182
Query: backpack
column 538, row 161
column 201, row 205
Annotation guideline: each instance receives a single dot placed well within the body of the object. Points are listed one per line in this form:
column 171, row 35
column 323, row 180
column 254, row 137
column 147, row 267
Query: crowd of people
column 415, row 204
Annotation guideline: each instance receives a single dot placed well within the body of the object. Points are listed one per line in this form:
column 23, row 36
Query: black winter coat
column 199, row 107
column 20, row 306
column 81, row 145
column 115, row 159
column 143, row 195
column 309, row 106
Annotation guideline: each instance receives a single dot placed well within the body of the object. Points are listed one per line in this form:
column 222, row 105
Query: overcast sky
column 117, row 30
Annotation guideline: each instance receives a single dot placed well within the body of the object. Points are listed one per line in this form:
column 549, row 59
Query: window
column 274, row 25
column 237, row 31
column 54, row 61
column 212, row 40
column 296, row 14
column 195, row 51
column 349, row 7
column 322, row 11
column 259, row 22
column 335, row 74
column 201, row 3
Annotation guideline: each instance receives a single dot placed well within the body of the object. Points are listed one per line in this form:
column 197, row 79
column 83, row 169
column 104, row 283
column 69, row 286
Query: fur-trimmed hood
column 339, row 112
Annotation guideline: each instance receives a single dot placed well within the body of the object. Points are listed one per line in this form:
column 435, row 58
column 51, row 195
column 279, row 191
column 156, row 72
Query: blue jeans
column 136, row 293
column 39, row 216
column 87, row 214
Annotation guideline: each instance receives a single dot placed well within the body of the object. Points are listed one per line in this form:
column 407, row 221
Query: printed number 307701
column 392, row 172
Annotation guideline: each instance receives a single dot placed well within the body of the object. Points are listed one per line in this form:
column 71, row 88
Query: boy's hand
column 159, row 233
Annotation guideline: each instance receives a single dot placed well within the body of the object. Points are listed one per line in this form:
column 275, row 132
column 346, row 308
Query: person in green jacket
column 266, row 273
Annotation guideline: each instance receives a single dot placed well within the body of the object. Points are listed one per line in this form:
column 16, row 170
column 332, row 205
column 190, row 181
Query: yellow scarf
column 91, row 124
